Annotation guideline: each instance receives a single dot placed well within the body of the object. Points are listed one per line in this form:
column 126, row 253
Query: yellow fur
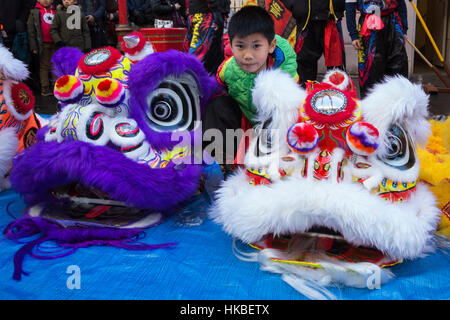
column 435, row 168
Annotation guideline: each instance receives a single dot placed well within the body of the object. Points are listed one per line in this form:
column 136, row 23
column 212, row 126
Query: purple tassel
column 73, row 238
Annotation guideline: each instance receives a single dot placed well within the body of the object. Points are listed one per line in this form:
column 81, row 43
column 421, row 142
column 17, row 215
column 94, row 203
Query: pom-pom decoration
column 337, row 78
column 362, row 138
column 302, row 138
column 22, row 98
column 110, row 92
column 68, row 89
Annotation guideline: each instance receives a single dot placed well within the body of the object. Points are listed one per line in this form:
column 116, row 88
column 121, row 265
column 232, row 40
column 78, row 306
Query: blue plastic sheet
column 202, row 266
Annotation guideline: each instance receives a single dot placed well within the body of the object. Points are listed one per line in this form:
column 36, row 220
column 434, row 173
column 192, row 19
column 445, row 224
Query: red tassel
column 332, row 44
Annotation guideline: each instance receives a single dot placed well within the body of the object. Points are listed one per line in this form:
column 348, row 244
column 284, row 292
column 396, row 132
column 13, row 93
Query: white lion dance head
column 330, row 182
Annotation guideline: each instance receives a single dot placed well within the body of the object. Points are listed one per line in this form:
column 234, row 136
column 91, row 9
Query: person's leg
column 53, row 76
column 397, row 59
column 372, row 58
column 309, row 50
column 221, row 114
column 44, row 68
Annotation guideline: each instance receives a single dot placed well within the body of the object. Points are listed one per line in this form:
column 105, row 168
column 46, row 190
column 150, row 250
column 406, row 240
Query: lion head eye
column 264, row 143
column 173, row 106
column 400, row 154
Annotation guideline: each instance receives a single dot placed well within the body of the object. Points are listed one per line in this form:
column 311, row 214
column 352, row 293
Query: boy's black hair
column 249, row 20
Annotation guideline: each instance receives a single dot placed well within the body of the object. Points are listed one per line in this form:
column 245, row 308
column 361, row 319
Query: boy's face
column 67, row 3
column 45, row 3
column 251, row 52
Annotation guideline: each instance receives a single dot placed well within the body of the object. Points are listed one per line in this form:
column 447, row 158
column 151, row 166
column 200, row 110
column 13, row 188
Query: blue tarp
column 201, row 267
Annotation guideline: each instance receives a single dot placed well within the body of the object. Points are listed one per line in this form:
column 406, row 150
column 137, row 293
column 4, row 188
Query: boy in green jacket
column 255, row 48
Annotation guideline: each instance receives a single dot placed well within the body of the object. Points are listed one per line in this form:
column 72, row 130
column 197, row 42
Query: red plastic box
column 163, row 39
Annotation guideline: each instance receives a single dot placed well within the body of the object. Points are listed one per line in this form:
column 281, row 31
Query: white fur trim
column 293, row 205
column 277, row 96
column 397, row 100
column 148, row 49
column 8, row 148
column 10, row 67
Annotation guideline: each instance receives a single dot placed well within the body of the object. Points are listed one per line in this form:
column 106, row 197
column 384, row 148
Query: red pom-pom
column 61, row 82
column 22, row 97
column 104, row 85
column 337, row 78
column 302, row 138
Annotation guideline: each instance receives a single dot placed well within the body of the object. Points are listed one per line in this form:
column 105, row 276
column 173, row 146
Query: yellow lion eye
column 326, row 167
column 316, row 165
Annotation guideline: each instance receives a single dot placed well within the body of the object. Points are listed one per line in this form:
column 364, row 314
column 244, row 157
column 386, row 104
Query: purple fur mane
column 47, row 165
column 65, row 61
column 147, row 74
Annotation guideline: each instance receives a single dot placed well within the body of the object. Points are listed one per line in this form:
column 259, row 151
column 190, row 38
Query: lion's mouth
column 82, row 203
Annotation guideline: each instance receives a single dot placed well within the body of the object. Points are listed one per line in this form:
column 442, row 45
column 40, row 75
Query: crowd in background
column 35, row 29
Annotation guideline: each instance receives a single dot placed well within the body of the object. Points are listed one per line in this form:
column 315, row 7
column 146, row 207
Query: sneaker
column 45, row 92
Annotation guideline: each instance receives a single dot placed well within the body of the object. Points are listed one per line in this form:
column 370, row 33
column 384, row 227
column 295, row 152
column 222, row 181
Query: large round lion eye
column 400, row 154
column 264, row 141
column 172, row 106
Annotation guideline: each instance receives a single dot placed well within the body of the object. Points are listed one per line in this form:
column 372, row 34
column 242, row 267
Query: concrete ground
column 439, row 102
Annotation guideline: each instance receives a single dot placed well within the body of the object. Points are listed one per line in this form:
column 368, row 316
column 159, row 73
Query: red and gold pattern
column 396, row 191
column 258, row 176
column 322, row 165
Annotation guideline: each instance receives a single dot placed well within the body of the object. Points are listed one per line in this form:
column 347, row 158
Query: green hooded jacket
column 240, row 83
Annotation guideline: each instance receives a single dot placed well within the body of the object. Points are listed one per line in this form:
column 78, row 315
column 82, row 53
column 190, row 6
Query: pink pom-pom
column 302, row 138
column 362, row 138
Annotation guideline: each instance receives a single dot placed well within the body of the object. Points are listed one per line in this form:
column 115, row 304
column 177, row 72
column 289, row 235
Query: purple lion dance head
column 113, row 154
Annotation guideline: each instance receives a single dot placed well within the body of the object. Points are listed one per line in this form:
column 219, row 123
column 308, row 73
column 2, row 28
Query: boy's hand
column 356, row 44
column 4, row 34
column 35, row 52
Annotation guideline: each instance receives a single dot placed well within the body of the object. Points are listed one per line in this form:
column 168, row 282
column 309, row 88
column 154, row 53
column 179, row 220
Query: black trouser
column 222, row 113
column 310, row 47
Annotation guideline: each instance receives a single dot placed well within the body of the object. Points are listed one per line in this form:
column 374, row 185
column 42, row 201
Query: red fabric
column 332, row 45
column 227, row 46
column 45, row 25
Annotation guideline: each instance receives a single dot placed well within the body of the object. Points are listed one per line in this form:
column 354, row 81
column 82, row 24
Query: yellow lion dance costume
column 435, row 170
